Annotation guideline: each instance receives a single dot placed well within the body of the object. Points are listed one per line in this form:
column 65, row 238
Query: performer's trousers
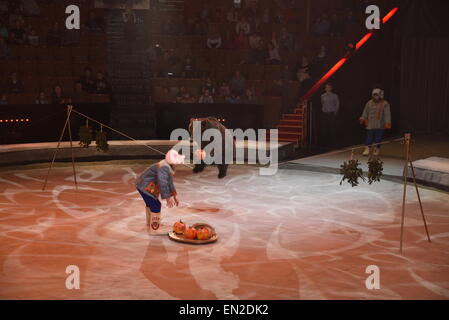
column 150, row 201
column 328, row 129
column 374, row 136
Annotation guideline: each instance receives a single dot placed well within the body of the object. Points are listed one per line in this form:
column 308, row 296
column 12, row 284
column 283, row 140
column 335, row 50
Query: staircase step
column 288, row 128
column 289, row 135
column 290, row 123
column 292, row 116
column 294, row 140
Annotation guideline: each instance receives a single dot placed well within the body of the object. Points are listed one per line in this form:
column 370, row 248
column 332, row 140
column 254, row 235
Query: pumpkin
column 190, row 233
column 203, row 234
column 179, row 227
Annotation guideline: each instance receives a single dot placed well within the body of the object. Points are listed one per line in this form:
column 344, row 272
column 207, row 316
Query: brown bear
column 213, row 123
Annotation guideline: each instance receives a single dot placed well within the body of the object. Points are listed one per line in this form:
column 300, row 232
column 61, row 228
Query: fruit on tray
column 203, row 234
column 179, row 227
column 190, row 233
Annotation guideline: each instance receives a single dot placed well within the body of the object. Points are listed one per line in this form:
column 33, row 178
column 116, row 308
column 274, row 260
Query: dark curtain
column 424, row 85
column 424, row 66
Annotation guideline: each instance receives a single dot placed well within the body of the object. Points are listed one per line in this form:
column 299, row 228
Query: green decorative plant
column 101, row 141
column 351, row 172
column 85, row 135
column 375, row 170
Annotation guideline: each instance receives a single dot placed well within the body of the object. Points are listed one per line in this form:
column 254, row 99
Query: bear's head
column 206, row 123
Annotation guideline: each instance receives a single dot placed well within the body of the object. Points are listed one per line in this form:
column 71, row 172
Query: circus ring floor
column 295, row 235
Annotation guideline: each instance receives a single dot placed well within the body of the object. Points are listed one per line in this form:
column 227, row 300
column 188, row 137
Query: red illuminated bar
column 342, row 61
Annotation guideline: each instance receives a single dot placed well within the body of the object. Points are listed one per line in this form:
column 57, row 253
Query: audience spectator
column 4, row 31
column 330, row 105
column 232, row 15
column 206, row 97
column 3, row 100
column 266, row 18
column 58, row 97
column 286, row 40
column 101, row 84
column 254, row 40
column 242, row 26
column 321, row 26
column 181, row 92
column 5, row 51
column 14, row 84
column 15, row 16
column 303, row 66
column 234, row 99
column 319, row 65
column 228, row 41
column 189, row 69
column 336, row 27
column 41, row 98
column 273, row 53
column 79, row 95
column 238, row 84
column 278, row 17
column 224, row 90
column 88, row 81
column 209, row 86
column 154, row 52
column 241, row 41
column 187, row 98
column 17, row 35
column 205, row 12
column 214, row 40
column 249, row 96
column 129, row 29
column 33, row 38
column 258, row 53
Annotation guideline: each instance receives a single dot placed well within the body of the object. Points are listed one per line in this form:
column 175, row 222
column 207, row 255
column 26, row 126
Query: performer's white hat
column 173, row 157
column 378, row 92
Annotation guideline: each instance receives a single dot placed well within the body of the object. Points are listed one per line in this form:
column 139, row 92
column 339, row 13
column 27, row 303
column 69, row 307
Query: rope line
column 341, row 151
column 123, row 134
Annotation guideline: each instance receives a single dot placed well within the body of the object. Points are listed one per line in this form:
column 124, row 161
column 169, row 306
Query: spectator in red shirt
column 241, row 41
column 14, row 84
column 88, row 81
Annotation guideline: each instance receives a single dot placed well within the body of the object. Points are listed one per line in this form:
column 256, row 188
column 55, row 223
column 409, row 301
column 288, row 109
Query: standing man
column 330, row 104
column 376, row 117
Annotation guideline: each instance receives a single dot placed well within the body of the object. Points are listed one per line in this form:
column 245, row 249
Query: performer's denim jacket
column 157, row 180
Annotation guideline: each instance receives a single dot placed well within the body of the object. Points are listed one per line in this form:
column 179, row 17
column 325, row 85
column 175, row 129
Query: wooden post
column 67, row 123
column 419, row 200
column 408, row 162
column 407, row 158
column 57, row 148
column 69, row 111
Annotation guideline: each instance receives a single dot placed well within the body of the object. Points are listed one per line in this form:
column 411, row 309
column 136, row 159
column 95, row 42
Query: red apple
column 179, row 227
column 190, row 233
column 203, row 234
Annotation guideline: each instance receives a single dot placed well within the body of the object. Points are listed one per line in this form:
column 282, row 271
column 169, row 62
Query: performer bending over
column 376, row 117
column 158, row 180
